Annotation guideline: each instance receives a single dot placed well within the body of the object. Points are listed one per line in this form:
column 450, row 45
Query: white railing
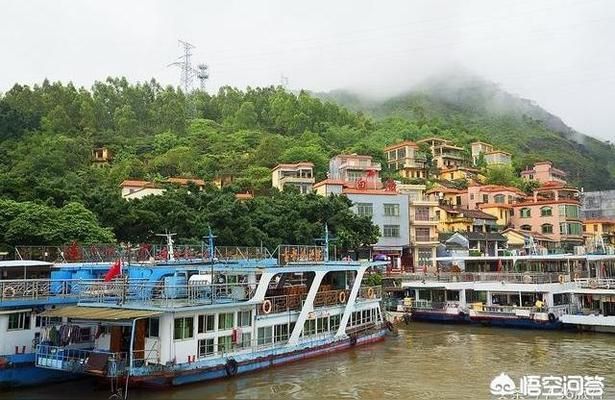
column 512, row 277
column 596, row 283
column 31, row 289
column 163, row 295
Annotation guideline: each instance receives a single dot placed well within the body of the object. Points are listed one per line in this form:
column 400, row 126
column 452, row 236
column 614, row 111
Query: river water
column 426, row 361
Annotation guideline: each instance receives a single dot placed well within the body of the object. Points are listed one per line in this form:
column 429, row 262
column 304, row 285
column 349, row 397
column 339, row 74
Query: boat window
column 152, row 327
column 18, row 321
column 183, row 328
column 280, row 333
column 206, row 347
column 206, row 323
column 225, row 344
column 322, row 325
column 309, row 327
column 334, row 322
column 225, row 321
column 246, row 339
column 264, row 335
column 244, row 318
column 47, row 321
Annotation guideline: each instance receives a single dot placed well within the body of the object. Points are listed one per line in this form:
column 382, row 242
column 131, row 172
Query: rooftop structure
column 544, row 172
column 299, row 175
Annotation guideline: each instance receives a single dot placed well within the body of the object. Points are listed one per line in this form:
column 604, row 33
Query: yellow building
column 452, row 174
column 405, row 158
column 454, row 219
column 501, row 211
column 605, row 228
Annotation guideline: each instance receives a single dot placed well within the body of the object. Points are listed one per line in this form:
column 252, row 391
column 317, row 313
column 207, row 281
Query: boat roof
column 24, row 263
column 100, row 313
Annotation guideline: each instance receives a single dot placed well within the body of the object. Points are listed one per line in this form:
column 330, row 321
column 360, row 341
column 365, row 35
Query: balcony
column 296, row 180
column 425, row 220
column 426, row 239
column 508, row 277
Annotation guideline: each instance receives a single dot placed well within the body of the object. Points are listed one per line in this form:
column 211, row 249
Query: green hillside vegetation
column 467, row 109
column 48, row 131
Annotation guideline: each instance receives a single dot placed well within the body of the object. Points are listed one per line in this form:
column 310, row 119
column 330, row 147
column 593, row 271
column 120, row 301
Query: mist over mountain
column 464, row 108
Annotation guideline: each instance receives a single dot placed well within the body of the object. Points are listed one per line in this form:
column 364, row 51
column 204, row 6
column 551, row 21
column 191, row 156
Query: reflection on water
column 424, row 362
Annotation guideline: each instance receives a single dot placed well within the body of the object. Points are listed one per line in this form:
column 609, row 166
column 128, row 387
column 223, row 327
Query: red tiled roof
column 494, row 205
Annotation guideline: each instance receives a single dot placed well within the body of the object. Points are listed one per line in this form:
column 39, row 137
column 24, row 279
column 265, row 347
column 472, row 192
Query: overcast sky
column 560, row 53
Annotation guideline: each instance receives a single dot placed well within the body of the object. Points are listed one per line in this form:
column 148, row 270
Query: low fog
column 559, row 53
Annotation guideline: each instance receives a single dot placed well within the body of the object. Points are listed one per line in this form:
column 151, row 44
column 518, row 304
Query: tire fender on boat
column 231, row 367
column 353, row 340
column 552, row 317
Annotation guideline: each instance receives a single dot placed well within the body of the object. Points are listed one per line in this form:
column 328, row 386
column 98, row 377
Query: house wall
column 379, row 219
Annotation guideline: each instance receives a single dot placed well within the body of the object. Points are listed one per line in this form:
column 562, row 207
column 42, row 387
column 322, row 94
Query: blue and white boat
column 221, row 320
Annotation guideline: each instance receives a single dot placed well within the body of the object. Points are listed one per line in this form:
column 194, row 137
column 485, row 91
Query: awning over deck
column 99, row 313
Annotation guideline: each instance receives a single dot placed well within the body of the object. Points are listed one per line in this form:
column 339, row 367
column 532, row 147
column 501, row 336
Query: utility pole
column 185, row 65
column 284, row 81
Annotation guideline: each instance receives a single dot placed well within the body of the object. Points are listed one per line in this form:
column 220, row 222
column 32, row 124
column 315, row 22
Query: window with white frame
column 390, row 231
column 19, row 321
column 391, row 210
column 365, row 209
column 264, row 335
column 206, row 347
column 280, row 333
column 226, row 321
column 244, row 318
column 183, row 328
column 206, row 323
column 225, row 344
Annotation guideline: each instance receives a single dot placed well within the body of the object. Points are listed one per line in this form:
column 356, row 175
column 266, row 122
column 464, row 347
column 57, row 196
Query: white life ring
column 593, row 283
column 8, row 291
column 527, row 278
column 266, row 306
column 342, row 297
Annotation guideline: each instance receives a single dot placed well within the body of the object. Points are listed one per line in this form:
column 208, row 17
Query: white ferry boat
column 536, row 292
column 221, row 320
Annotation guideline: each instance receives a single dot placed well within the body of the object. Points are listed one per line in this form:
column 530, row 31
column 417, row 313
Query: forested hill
column 465, row 109
column 51, row 192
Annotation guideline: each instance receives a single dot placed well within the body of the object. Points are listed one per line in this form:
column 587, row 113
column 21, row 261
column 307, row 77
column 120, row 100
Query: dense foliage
column 47, row 134
column 51, row 192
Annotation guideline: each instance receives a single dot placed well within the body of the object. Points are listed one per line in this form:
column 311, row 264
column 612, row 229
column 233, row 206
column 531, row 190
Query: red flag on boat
column 499, row 266
column 115, row 270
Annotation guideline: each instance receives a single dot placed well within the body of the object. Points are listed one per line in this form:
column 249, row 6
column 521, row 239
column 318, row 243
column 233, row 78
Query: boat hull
column 439, row 317
column 177, row 378
column 20, row 371
column 517, row 323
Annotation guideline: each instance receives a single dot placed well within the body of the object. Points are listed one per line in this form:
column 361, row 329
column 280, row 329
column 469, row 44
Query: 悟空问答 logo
column 502, row 385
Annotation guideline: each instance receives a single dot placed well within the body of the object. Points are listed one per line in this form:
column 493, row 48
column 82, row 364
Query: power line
column 187, row 71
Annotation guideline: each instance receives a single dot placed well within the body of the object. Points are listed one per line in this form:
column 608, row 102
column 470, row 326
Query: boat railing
column 96, row 362
column 331, row 298
column 70, row 253
column 230, row 253
column 433, row 305
column 282, row 303
column 511, row 277
column 164, row 295
column 595, row 283
column 370, row 292
column 32, row 289
column 505, row 309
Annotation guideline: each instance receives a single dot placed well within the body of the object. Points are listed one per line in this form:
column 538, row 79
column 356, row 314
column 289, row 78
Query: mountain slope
column 467, row 109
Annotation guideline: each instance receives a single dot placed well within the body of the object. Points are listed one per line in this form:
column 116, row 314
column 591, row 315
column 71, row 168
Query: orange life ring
column 8, row 291
column 576, row 275
column 342, row 297
column 370, row 293
column 561, row 278
column 266, row 306
column 593, row 283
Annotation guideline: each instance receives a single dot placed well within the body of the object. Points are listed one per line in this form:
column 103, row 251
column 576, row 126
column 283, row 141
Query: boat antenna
column 169, row 236
column 211, row 244
column 326, row 241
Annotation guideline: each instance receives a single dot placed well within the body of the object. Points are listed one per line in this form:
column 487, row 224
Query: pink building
column 544, row 172
column 553, row 210
column 356, row 170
